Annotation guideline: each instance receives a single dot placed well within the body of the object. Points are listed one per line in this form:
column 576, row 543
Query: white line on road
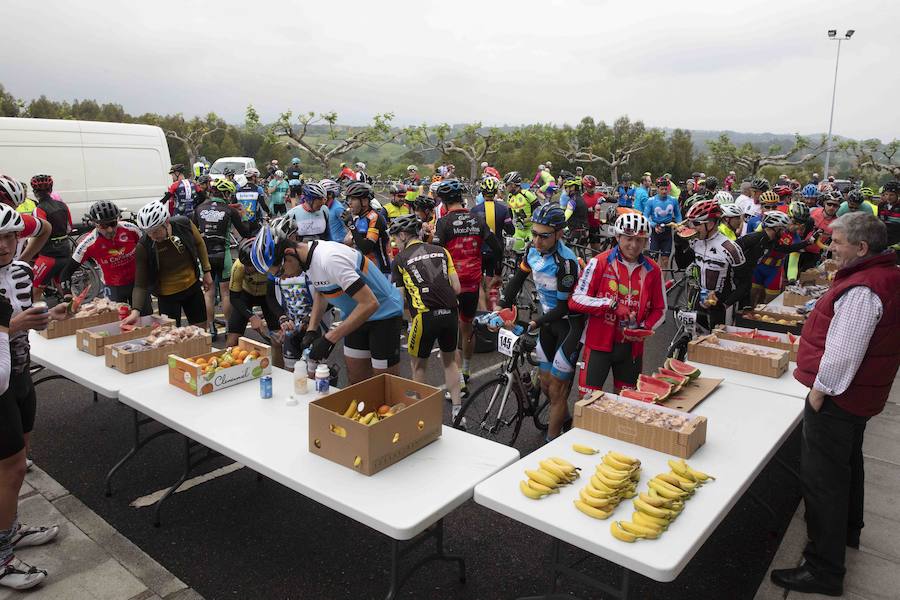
column 479, row 373
column 151, row 499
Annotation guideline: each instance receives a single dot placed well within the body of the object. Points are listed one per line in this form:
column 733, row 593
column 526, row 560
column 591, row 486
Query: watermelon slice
column 683, row 368
column 792, row 338
column 639, row 395
column 681, row 379
column 638, row 333
column 676, row 387
column 686, row 232
column 661, row 388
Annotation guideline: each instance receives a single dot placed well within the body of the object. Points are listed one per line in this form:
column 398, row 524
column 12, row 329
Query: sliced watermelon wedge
column 682, row 368
column 792, row 338
column 661, row 388
column 639, row 395
column 676, row 387
column 681, row 379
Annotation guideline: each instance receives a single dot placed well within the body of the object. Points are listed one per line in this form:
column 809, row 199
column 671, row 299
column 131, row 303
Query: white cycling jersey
column 717, row 258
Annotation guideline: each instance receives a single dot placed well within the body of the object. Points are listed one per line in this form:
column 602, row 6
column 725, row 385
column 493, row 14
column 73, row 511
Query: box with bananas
column 614, row 479
column 661, row 504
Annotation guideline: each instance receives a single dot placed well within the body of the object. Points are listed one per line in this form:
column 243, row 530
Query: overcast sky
column 755, row 66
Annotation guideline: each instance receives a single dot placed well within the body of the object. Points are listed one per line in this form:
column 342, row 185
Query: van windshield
column 219, row 167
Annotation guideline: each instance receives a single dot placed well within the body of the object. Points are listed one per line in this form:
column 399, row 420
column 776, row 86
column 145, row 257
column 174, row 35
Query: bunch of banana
column 548, row 477
column 661, row 504
column 370, row 418
column 614, row 479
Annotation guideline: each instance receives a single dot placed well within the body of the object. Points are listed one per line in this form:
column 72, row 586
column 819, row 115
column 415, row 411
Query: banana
column 591, row 511
column 542, row 477
column 680, row 467
column 628, row 495
column 624, row 458
column 582, row 449
column 664, row 491
column 620, row 534
column 595, row 493
column 662, row 513
column 656, row 501
column 676, row 482
column 600, row 486
column 636, row 474
column 555, row 470
column 566, row 465
column 648, row 521
column 613, row 484
column 638, row 530
column 617, row 464
column 613, row 474
column 660, row 481
column 541, row 487
column 596, row 502
column 531, row 493
column 700, row 475
column 351, row 408
column 365, row 420
column 684, row 480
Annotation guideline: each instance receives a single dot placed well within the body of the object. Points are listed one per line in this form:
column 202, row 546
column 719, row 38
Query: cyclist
column 717, row 257
column 521, row 204
column 822, row 217
column 785, row 192
column 278, row 190
column 361, row 174
column 463, row 235
column 593, row 199
column 661, row 211
column 732, row 224
column 57, row 252
column 711, row 184
column 35, row 231
column 554, row 270
column 253, row 200
column 180, row 195
column 576, row 210
column 729, row 181
column 171, row 263
column 499, row 220
column 337, row 229
column 200, row 167
column 856, row 201
column 544, row 182
column 426, row 274
column 769, row 272
column 810, row 195
column 248, row 288
column 423, row 208
column 625, row 191
column 619, row 289
column 397, row 206
column 294, row 177
column 889, row 212
column 367, row 228
column 767, row 201
column 311, row 215
column 642, row 194
column 214, row 218
column 346, row 174
column 343, row 277
column 801, row 227
column 758, row 186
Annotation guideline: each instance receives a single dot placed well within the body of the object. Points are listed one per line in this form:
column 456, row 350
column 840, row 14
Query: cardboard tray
column 692, row 394
column 58, row 329
column 132, row 362
column 794, row 325
column 727, row 332
column 726, row 357
column 814, row 277
column 792, row 299
column 184, row 373
column 92, row 339
column 677, row 443
column 371, row 448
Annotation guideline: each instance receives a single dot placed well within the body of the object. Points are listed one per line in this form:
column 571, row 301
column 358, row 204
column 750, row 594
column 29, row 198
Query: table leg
column 38, row 368
column 436, row 532
column 138, row 443
column 558, row 568
column 192, row 450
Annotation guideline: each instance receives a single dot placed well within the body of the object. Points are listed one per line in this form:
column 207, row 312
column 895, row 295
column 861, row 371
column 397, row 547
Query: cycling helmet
column 633, row 225
column 450, row 190
column 251, row 172
column 609, row 213
column 573, row 182
column 891, row 187
column 375, row 204
column 855, row 196
column 551, row 215
column 704, row 211
column 542, row 167
column 10, row 220
column 331, row 187
column 203, row 179
column 411, row 168
column 626, row 177
column 244, row 252
column 589, row 182
column 799, row 211
column 662, row 182
column 284, row 227
column 177, row 168
column 775, row 219
column 433, row 187
column 152, row 215
column 361, row 166
column 313, row 191
column 490, row 186
column 866, row 192
column 279, row 173
column 564, row 174
column 42, row 183
column 769, row 198
column 408, row 223
column 225, row 185
column 359, row 189
column 397, row 188
column 810, row 191
column 266, row 250
column 103, row 211
column 723, row 197
column 731, row 210
column 711, row 183
column 783, row 190
column 11, row 191
column 423, row 203
column 513, row 177
column 694, row 200
column 295, row 161
column 758, row 183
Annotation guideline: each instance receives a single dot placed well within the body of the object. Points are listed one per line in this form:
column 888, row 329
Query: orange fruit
column 383, row 410
column 254, row 354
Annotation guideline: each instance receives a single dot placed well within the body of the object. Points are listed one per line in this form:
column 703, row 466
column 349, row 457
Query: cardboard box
column 371, row 448
column 681, row 443
column 726, row 355
column 814, row 277
column 93, row 339
column 125, row 361
column 782, row 341
column 692, row 394
column 792, row 299
column 752, row 319
column 185, row 373
column 58, row 329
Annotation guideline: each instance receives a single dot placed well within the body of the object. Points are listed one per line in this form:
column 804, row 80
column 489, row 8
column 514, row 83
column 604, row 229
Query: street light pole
column 832, row 35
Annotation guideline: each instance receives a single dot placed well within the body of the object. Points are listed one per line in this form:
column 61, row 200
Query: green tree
column 873, row 155
column 189, row 134
column 612, row 146
column 10, row 106
column 473, row 142
column 726, row 156
column 681, row 154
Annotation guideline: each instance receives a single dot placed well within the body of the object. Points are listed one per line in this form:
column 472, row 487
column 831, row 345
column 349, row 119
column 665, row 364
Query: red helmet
column 783, row 190
column 662, row 182
column 42, row 183
column 704, row 211
column 589, row 182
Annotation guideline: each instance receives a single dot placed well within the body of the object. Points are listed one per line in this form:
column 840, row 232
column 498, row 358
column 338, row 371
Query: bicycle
column 683, row 301
column 489, row 411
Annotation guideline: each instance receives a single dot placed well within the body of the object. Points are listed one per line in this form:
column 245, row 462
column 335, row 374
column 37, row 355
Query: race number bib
column 506, row 341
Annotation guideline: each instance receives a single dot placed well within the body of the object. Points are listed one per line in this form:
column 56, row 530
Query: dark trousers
column 831, row 467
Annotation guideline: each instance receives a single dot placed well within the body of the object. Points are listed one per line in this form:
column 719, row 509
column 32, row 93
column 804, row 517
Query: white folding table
column 403, row 501
column 63, row 357
column 785, row 385
column 745, row 429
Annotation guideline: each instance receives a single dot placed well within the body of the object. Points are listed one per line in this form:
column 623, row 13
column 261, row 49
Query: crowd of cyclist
column 320, row 263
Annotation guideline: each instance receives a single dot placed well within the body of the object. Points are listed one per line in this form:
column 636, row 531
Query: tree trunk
column 474, row 165
column 324, row 162
column 614, row 174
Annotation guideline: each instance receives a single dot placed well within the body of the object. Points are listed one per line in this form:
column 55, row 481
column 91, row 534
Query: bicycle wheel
column 542, row 414
column 87, row 276
column 483, row 414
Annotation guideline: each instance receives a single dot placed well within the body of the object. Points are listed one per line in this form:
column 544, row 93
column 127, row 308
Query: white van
column 89, row 160
column 238, row 163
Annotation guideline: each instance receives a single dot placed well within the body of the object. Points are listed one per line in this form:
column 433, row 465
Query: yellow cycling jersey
column 394, row 211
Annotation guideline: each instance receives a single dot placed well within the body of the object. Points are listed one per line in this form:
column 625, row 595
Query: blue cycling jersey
column 546, row 272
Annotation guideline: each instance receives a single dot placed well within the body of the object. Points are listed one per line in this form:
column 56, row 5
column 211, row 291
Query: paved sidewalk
column 873, row 571
column 89, row 560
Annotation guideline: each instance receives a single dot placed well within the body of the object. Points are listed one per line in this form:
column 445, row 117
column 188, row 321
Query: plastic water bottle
column 301, row 382
column 323, row 374
column 287, row 352
column 310, row 365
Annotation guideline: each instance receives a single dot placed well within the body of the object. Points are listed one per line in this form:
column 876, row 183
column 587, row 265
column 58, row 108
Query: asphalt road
column 236, row 537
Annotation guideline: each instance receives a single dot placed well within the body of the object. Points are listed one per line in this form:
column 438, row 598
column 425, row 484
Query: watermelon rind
column 683, row 368
column 639, row 395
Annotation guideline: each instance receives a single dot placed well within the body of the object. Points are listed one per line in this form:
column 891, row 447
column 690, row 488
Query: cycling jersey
column 115, row 257
column 57, row 214
column 370, row 236
column 521, row 205
column 253, row 199
column 311, row 225
column 213, row 219
column 821, row 222
column 590, row 202
column 625, row 195
column 727, row 232
column 248, row 280
column 498, row 219
column 576, row 211
column 864, row 206
column 33, row 228
column 347, row 174
column 182, row 197
column 662, row 211
column 463, row 234
column 294, row 294
column 424, row 270
column 554, row 274
column 16, row 285
column 393, row 211
column 413, row 187
column 27, row 207
column 544, row 178
column 717, row 257
column 336, row 227
column 641, row 197
column 337, row 272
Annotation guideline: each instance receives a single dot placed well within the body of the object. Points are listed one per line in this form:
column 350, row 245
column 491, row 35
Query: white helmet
column 434, row 186
column 251, row 172
column 152, row 215
column 411, row 168
column 10, row 220
column 732, row 210
column 13, row 189
column 542, row 167
column 483, row 165
column 776, row 218
column 632, row 224
column 331, row 187
column 240, row 180
column 361, row 166
column 279, row 173
column 723, row 197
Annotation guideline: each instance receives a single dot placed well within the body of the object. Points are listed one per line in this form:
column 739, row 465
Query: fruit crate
column 213, row 371
column 125, row 361
column 781, row 341
column 756, row 319
column 738, row 356
column 58, row 329
column 94, row 339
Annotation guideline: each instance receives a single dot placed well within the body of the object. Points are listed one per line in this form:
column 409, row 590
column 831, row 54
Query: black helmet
column 855, row 197
column 892, row 187
column 513, row 177
column 423, row 203
column 244, row 250
column 759, row 183
column 551, row 215
column 712, row 183
column 177, row 168
column 103, row 211
column 626, row 177
column 359, row 189
column 409, row 223
column 203, row 179
column 228, row 171
column 450, row 190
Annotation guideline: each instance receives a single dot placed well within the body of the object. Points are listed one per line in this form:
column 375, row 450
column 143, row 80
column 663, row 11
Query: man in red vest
column 849, row 355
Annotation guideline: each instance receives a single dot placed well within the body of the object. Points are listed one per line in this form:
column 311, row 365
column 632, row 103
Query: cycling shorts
column 221, row 267
column 119, row 293
column 625, row 368
column 48, row 268
column 237, row 322
column 441, row 325
column 190, row 300
column 662, row 242
column 468, row 306
column 18, row 407
column 556, row 340
column 376, row 340
column 279, row 209
column 767, row 276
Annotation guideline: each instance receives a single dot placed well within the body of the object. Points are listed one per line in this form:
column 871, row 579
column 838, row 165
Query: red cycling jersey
column 591, row 201
column 463, row 234
column 821, row 222
column 115, row 257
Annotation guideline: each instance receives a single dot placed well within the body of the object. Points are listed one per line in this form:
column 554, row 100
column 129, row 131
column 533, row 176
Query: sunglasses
column 107, row 225
column 696, row 222
column 832, row 204
column 543, row 236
